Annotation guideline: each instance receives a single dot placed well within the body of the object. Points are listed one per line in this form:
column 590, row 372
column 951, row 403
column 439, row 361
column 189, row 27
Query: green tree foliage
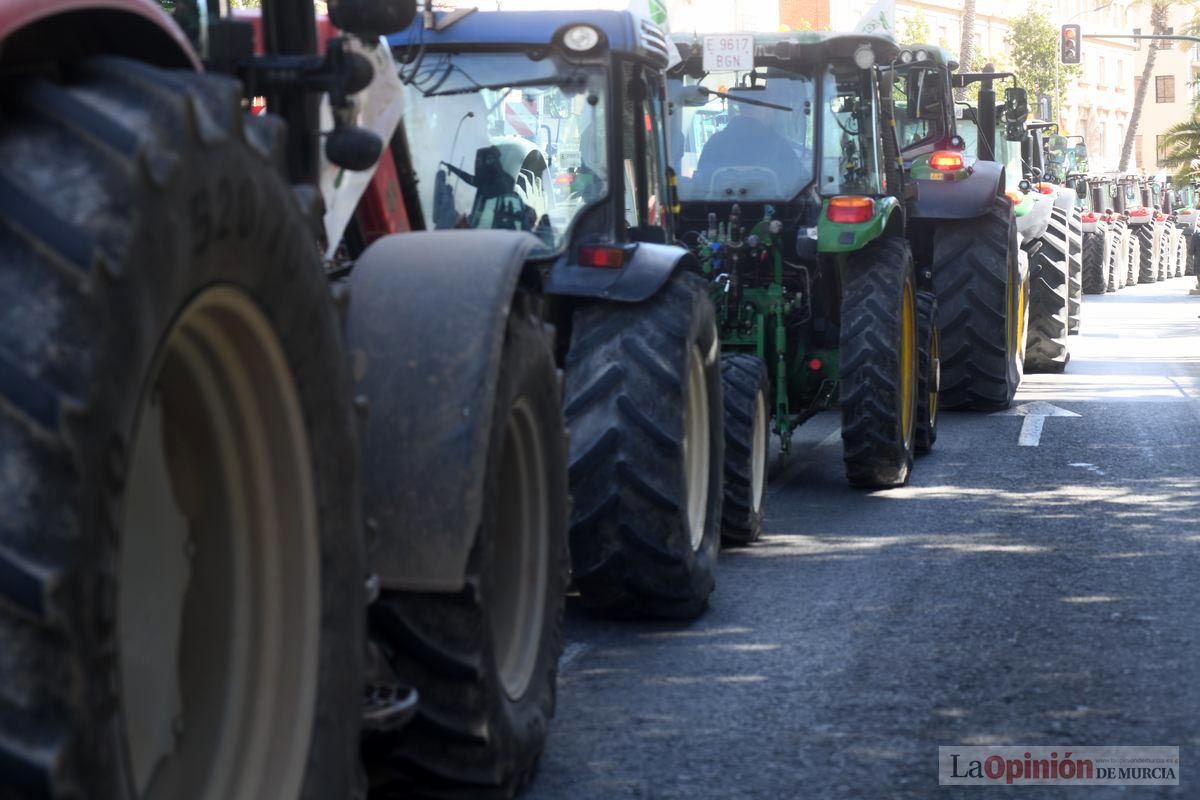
column 914, row 29
column 1032, row 43
column 1182, row 149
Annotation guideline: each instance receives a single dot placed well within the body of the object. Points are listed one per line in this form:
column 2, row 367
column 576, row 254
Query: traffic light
column 1068, row 52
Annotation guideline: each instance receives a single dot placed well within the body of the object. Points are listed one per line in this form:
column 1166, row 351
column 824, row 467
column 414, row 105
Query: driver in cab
column 752, row 138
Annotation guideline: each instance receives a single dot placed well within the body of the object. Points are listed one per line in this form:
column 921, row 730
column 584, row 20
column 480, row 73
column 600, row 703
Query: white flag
column 880, row 20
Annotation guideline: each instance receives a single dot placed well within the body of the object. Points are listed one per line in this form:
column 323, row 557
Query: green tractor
column 963, row 225
column 790, row 194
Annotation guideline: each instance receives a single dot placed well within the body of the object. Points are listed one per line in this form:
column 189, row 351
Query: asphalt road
column 1010, row 594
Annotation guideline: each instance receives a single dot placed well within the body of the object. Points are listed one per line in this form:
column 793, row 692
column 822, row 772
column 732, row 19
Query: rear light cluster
column 603, row 257
column 1139, row 212
column 1089, row 217
column 946, row 160
column 1014, row 197
column 851, row 209
column 1046, row 188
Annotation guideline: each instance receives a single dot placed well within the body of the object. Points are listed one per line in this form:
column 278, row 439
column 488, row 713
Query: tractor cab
column 546, row 122
column 779, row 134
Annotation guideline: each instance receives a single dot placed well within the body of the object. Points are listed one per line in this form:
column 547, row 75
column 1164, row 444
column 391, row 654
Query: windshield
column 918, row 106
column 499, row 140
column 754, row 143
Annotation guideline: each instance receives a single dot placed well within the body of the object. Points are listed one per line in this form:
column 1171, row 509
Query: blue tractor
column 551, row 123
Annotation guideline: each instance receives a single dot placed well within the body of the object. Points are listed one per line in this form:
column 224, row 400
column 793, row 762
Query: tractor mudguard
column 134, row 28
column 426, row 319
column 646, row 269
column 1065, row 198
column 965, row 199
column 1031, row 226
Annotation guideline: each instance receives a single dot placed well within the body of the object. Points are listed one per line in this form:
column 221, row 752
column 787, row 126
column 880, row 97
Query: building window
column 1120, row 82
column 1100, row 77
column 1164, row 88
column 1137, row 150
column 1160, row 149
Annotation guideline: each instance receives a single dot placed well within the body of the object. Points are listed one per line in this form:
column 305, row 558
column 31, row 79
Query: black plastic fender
column 966, row 199
column 424, row 331
column 1031, row 226
column 647, row 268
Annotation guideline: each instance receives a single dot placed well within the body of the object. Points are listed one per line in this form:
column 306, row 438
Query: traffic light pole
column 1176, row 37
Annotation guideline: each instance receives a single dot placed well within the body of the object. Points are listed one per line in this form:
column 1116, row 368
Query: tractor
column 1101, row 233
column 285, row 485
column 553, row 124
column 1043, row 211
column 964, row 227
column 791, row 197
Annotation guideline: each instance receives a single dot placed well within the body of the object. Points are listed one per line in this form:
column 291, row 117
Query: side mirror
column 1016, row 105
column 1081, row 151
column 371, row 19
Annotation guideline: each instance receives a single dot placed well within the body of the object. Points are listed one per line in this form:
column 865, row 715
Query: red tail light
column 1159, row 216
column 1089, row 217
column 604, row 257
column 1139, row 212
column 1046, row 188
column 1014, row 197
column 850, row 209
column 946, row 161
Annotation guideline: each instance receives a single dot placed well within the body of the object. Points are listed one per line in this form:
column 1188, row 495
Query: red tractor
column 223, row 527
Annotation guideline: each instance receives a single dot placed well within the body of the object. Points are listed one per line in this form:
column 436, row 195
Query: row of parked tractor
column 1135, row 230
column 336, row 350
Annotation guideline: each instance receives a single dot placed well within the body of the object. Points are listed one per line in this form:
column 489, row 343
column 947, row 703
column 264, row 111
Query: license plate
column 734, row 53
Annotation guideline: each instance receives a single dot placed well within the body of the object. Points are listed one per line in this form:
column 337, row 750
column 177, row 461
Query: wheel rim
column 908, row 363
column 758, row 454
column 521, row 557
column 218, row 608
column 696, row 448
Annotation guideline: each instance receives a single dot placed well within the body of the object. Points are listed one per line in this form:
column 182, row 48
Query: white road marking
column 572, row 653
column 1035, row 414
column 1031, row 432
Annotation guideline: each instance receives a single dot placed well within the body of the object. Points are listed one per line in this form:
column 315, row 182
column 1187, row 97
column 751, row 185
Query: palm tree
column 1181, row 146
column 966, row 45
column 1158, row 26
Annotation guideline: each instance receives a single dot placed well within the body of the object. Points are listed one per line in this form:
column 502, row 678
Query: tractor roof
column 624, row 32
column 813, row 47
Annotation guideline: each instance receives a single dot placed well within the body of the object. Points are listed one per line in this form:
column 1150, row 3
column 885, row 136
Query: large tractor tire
column 1166, row 253
column 1147, row 255
column 980, row 290
column 1047, row 349
column 485, row 660
column 1180, row 254
column 1118, row 257
column 1097, row 245
column 643, row 406
column 181, row 558
column 1133, row 265
column 1074, row 271
column 878, row 349
column 1191, row 252
column 929, row 357
column 747, row 431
